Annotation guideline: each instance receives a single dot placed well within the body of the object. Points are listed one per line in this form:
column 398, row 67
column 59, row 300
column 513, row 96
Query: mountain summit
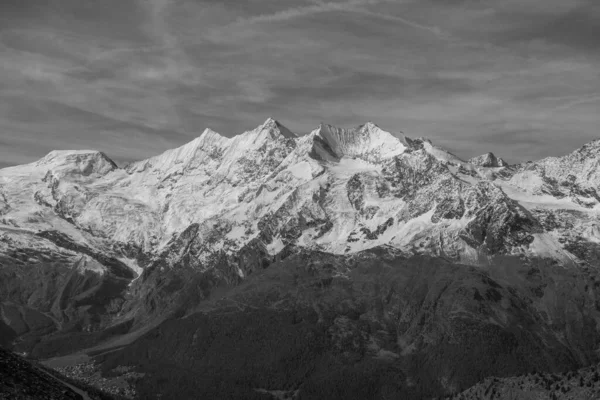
column 366, row 180
column 275, row 125
column 368, row 142
column 488, row 160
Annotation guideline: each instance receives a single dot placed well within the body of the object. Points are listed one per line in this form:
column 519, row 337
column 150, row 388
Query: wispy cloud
column 291, row 13
column 578, row 101
column 302, row 11
column 510, row 77
column 395, row 18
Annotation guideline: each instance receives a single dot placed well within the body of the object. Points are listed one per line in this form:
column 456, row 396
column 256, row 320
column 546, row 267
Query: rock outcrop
column 488, row 160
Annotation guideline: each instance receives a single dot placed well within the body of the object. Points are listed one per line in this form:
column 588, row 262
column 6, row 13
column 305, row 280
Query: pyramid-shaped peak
column 270, row 122
column 209, row 133
column 488, row 160
column 277, row 128
column 372, row 129
column 208, row 138
column 209, row 141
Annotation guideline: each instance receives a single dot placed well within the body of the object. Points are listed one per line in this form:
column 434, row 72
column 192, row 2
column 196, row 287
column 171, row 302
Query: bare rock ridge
column 488, row 160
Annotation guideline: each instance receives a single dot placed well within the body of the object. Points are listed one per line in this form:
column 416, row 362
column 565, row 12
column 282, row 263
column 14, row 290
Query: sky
column 133, row 78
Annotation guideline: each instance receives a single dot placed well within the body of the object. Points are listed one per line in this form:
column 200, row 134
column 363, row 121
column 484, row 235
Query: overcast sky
column 519, row 78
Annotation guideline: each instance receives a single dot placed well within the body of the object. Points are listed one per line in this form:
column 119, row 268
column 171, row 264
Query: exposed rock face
column 488, row 160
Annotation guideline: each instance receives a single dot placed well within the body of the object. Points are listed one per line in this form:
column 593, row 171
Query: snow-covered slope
column 335, row 190
column 76, row 230
column 575, row 177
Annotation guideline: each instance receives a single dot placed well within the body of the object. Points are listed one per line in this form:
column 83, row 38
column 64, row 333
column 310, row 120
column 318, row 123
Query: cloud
column 174, row 63
column 577, row 102
column 576, row 28
column 432, row 29
column 302, row 11
column 41, row 72
column 515, row 77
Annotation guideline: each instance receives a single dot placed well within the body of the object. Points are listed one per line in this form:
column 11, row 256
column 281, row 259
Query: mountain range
column 343, row 263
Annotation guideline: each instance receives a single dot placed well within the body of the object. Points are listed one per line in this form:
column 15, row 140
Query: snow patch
column 351, row 166
column 530, row 200
column 275, row 247
column 546, row 246
column 407, row 232
column 301, row 171
column 133, row 265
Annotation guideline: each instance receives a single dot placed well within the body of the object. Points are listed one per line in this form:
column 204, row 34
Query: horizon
column 518, row 79
column 121, row 164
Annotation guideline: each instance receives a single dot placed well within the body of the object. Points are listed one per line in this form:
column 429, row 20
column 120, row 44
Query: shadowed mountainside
column 20, row 379
column 373, row 326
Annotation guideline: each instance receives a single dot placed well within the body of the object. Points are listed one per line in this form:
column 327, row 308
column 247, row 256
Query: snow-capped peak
column 63, row 156
column 270, row 131
column 271, row 123
column 209, row 142
column 79, row 162
column 488, row 160
column 367, row 141
column 209, row 134
column 338, row 190
column 275, row 129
